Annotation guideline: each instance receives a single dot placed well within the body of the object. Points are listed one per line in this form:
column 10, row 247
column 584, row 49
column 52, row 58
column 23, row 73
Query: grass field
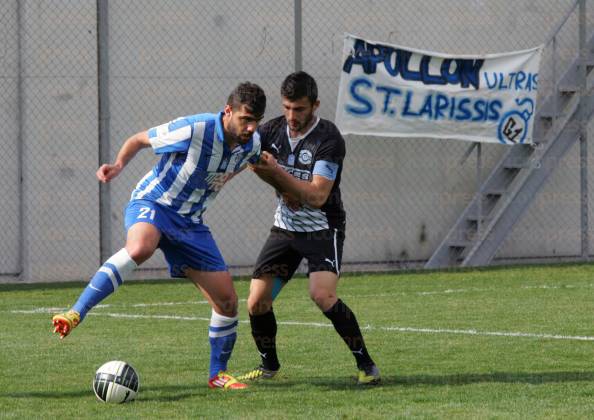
column 501, row 343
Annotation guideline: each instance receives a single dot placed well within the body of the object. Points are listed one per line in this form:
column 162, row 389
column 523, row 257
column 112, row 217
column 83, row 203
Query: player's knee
column 257, row 305
column 140, row 252
column 226, row 303
column 323, row 298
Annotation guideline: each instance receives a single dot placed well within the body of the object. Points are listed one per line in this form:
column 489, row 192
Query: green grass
column 437, row 368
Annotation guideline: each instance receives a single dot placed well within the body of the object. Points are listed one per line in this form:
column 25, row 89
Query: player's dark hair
column 298, row 85
column 251, row 95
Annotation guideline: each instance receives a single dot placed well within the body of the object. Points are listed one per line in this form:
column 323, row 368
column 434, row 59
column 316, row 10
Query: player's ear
column 227, row 110
column 316, row 104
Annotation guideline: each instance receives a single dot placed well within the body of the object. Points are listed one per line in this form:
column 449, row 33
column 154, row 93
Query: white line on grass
column 125, row 305
column 471, row 290
column 426, row 293
column 145, row 305
column 421, row 293
column 486, row 333
column 327, row 325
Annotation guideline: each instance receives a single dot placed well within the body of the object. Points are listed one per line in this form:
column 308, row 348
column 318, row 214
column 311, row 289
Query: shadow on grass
column 535, row 378
column 169, row 393
column 47, row 394
column 165, row 393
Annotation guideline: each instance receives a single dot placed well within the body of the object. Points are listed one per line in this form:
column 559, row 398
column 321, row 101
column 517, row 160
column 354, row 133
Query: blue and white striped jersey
column 195, row 164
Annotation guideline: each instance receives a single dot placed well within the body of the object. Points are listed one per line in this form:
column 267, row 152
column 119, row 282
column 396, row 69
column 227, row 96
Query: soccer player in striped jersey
column 302, row 158
column 199, row 153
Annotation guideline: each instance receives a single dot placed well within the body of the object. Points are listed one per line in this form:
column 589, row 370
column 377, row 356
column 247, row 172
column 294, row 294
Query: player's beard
column 238, row 136
column 243, row 138
column 299, row 127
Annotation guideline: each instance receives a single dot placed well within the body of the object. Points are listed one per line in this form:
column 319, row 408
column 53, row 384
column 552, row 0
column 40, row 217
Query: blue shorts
column 184, row 243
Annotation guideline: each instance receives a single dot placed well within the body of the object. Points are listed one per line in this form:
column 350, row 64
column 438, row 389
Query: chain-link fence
column 79, row 77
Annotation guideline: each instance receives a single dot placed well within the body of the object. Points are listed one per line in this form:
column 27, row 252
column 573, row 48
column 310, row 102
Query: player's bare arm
column 131, row 146
column 263, row 175
column 314, row 193
column 290, row 199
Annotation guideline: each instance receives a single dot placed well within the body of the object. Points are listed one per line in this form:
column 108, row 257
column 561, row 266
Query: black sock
column 264, row 333
column 345, row 324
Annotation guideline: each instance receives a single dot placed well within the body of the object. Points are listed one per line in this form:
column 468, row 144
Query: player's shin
column 346, row 325
column 222, row 333
column 264, row 333
column 106, row 281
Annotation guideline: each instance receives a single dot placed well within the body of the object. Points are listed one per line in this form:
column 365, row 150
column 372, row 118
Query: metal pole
column 104, row 141
column 20, row 145
column 554, row 90
column 583, row 131
column 298, row 36
column 479, row 165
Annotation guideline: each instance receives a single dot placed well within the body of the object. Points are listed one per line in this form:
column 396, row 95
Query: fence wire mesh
column 171, row 58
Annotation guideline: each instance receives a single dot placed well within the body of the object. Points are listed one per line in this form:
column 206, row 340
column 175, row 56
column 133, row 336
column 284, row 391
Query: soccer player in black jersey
column 302, row 158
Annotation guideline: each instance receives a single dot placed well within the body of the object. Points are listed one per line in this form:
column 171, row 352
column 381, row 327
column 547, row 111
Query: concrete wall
column 59, row 73
column 9, row 137
column 179, row 57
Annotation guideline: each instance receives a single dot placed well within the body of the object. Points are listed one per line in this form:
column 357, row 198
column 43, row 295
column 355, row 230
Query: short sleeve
column 326, row 169
column 174, row 136
column 329, row 157
column 332, row 148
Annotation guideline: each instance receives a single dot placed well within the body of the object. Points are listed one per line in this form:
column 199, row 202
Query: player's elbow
column 316, row 201
column 141, row 140
column 316, row 195
column 316, row 204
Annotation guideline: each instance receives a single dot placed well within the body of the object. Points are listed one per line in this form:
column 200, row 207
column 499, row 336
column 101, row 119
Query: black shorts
column 283, row 251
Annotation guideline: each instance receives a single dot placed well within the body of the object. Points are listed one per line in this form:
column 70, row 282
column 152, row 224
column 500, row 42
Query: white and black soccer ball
column 116, row 382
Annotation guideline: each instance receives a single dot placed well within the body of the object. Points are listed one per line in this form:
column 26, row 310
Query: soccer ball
column 116, row 382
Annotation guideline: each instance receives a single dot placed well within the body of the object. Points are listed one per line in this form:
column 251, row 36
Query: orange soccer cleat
column 65, row 323
column 225, row 381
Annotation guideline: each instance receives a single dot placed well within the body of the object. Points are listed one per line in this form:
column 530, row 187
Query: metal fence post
column 298, row 35
column 583, row 121
column 20, row 147
column 104, row 140
column 479, row 181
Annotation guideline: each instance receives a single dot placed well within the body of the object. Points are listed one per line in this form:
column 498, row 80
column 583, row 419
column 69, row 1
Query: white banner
column 393, row 91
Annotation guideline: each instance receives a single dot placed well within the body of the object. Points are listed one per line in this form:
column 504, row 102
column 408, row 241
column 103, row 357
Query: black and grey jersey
column 322, row 145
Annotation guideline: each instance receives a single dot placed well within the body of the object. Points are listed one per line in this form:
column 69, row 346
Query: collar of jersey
column 219, row 127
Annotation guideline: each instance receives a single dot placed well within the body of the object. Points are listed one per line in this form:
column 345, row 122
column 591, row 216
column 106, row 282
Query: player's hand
column 267, row 169
column 266, row 165
column 267, row 159
column 107, row 172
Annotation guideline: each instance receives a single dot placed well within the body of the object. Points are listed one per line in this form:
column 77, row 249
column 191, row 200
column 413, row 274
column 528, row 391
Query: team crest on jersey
column 305, row 157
